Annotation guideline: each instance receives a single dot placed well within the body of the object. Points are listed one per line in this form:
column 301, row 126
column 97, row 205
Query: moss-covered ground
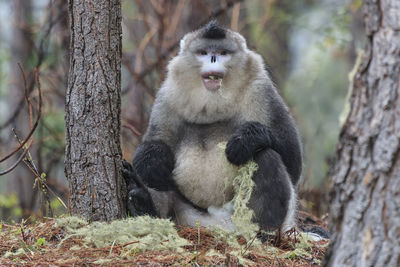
column 70, row 241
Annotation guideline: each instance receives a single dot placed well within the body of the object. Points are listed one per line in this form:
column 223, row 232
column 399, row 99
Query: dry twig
column 41, row 54
column 33, row 128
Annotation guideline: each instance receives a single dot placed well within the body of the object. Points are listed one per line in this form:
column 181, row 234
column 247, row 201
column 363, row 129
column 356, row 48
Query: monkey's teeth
column 212, row 77
column 212, row 81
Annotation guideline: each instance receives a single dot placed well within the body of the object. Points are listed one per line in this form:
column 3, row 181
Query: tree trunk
column 93, row 153
column 365, row 194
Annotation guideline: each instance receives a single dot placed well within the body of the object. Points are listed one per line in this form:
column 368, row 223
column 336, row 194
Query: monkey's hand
column 154, row 163
column 248, row 139
column 140, row 203
column 129, row 175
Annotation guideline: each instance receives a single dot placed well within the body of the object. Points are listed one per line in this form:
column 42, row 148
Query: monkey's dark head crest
column 213, row 31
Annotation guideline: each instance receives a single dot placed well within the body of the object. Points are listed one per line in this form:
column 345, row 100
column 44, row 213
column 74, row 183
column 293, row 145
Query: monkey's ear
column 185, row 41
column 181, row 44
column 241, row 40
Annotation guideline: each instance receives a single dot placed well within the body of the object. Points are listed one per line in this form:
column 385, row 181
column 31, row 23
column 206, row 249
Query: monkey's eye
column 202, row 52
column 224, row 53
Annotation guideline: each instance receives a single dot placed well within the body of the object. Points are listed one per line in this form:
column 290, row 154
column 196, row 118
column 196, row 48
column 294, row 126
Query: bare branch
column 12, row 167
column 37, row 119
column 132, row 128
column 41, row 53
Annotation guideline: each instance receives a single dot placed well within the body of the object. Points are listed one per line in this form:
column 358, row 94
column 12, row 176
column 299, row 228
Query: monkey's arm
column 249, row 138
column 267, row 124
column 154, row 163
column 154, row 158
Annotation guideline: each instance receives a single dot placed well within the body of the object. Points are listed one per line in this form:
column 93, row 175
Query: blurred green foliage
column 317, row 91
column 52, row 131
column 317, row 85
column 9, row 207
column 57, row 208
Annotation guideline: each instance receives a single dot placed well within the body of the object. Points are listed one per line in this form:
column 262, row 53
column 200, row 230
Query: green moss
column 243, row 185
column 144, row 233
column 71, row 223
column 102, row 261
column 303, row 248
column 18, row 252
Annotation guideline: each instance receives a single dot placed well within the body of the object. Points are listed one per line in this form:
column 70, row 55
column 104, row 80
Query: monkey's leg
column 143, row 200
column 273, row 198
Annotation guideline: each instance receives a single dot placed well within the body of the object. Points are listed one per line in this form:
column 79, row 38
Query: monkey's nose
column 213, row 59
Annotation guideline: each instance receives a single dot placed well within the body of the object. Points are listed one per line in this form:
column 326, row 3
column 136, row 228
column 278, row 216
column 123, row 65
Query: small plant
column 292, row 256
column 198, row 232
column 40, row 242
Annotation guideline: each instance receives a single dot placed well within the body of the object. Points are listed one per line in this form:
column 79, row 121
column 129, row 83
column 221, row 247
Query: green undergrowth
column 146, row 233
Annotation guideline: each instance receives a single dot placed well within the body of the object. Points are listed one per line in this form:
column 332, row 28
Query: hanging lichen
column 243, row 185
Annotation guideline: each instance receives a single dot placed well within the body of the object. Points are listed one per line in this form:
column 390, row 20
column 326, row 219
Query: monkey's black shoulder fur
column 250, row 138
column 154, row 162
column 214, row 31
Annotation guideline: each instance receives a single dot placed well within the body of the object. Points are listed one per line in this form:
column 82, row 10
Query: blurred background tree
column 309, row 45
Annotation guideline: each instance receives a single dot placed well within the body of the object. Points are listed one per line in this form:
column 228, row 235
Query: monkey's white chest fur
column 204, row 175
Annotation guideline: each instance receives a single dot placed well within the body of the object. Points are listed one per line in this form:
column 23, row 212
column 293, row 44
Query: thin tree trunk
column 21, row 179
column 365, row 194
column 93, row 153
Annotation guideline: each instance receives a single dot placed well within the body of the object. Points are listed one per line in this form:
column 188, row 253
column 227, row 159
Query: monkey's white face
column 207, row 79
column 213, row 68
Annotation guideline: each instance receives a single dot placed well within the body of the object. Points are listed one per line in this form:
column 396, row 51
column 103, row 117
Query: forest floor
column 45, row 244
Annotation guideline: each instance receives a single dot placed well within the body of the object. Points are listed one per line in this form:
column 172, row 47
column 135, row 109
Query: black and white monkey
column 216, row 90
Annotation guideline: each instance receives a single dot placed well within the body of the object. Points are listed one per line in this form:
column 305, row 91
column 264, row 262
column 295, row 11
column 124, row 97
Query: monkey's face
column 209, row 75
column 213, row 68
column 214, row 60
column 212, row 55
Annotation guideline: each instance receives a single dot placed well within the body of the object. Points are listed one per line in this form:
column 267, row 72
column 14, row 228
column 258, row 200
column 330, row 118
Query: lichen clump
column 142, row 233
column 243, row 185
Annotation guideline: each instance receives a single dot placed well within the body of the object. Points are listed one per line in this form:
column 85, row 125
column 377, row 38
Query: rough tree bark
column 365, row 195
column 93, row 153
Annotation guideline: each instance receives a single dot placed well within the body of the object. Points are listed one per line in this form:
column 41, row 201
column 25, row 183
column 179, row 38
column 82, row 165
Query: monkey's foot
column 223, row 215
column 140, row 203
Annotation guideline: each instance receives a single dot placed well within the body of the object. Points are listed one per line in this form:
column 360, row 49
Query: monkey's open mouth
column 212, row 80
